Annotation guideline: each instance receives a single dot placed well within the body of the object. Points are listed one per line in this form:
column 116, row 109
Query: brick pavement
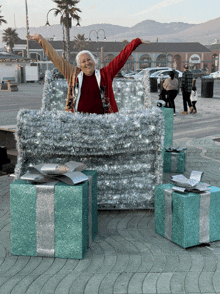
column 127, row 257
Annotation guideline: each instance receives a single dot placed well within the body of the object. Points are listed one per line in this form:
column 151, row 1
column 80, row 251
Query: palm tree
column 1, row 18
column 10, row 37
column 80, row 42
column 68, row 11
column 125, row 42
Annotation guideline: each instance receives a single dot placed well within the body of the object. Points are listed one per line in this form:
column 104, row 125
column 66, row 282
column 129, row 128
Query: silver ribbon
column 168, row 214
column 204, row 217
column 45, row 220
column 90, row 210
column 175, row 149
column 69, row 173
column 174, row 156
column 174, row 161
column 45, row 226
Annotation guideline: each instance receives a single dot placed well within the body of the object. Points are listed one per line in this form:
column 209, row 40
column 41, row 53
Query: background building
column 174, row 55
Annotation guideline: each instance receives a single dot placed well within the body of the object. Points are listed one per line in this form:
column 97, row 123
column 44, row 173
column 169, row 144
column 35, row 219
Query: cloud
column 159, row 5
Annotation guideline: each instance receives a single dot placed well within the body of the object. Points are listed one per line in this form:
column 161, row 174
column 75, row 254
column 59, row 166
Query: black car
column 198, row 73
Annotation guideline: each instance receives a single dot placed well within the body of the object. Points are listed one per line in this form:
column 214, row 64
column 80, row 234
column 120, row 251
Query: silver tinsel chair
column 125, row 147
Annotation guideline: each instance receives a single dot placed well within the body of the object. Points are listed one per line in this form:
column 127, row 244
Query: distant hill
column 205, row 33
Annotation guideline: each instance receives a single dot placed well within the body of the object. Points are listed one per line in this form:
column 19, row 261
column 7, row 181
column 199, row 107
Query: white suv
column 150, row 70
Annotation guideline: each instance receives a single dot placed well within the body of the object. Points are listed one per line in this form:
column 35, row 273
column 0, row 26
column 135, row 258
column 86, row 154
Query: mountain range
column 149, row 30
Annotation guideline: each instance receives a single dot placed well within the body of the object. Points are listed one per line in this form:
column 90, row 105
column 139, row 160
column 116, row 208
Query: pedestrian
column 193, row 98
column 89, row 90
column 171, row 86
column 186, row 86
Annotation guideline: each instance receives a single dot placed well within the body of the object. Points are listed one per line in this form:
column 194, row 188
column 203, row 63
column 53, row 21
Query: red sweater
column 108, row 73
column 90, row 92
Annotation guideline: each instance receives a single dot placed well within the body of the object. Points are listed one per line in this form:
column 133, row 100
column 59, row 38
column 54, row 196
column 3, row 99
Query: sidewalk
column 127, row 257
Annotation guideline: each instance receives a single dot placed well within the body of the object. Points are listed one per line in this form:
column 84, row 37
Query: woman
column 89, row 90
column 171, row 86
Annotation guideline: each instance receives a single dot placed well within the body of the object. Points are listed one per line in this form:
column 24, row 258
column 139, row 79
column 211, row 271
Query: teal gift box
column 168, row 128
column 75, row 219
column 174, row 162
column 187, row 219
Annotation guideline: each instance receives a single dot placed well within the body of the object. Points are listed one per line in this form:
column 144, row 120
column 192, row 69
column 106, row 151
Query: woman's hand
column 32, row 37
column 144, row 42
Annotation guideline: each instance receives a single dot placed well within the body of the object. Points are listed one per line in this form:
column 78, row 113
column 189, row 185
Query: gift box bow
column 69, row 173
column 192, row 184
column 175, row 149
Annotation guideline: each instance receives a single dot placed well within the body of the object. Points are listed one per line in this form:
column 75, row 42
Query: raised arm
column 119, row 61
column 61, row 64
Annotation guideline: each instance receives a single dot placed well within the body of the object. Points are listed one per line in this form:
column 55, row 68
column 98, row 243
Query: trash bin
column 153, row 84
column 3, row 156
column 207, row 85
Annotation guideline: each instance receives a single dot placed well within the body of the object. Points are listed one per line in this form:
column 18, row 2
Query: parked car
column 164, row 74
column 198, row 73
column 130, row 74
column 215, row 75
column 57, row 74
column 150, row 71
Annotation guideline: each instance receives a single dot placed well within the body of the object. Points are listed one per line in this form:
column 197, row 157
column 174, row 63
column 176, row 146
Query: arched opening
column 108, row 58
column 177, row 62
column 145, row 61
column 129, row 65
column 162, row 60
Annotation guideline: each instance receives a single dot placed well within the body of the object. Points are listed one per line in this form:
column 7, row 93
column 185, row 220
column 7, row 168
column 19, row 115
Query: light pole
column 48, row 24
column 27, row 27
column 97, row 34
column 65, row 42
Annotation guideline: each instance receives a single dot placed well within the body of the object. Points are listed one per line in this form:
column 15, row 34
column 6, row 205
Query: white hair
column 85, row 52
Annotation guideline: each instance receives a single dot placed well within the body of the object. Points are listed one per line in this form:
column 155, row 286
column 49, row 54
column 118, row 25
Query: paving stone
column 93, row 284
column 107, row 285
column 122, row 282
column 192, row 282
column 150, row 283
column 136, row 283
column 163, row 283
column 206, row 282
column 67, row 282
column 177, row 283
column 79, row 284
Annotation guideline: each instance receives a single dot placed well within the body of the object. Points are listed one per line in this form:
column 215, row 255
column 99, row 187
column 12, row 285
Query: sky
column 117, row 12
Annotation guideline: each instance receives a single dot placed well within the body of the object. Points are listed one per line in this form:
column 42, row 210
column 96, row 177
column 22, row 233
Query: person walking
column 193, row 98
column 186, row 86
column 171, row 86
column 89, row 89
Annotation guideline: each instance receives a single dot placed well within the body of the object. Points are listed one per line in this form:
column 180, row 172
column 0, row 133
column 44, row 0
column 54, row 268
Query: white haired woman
column 89, row 90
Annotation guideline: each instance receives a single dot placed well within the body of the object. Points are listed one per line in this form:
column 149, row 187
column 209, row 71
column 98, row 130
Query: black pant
column 194, row 104
column 170, row 97
column 186, row 99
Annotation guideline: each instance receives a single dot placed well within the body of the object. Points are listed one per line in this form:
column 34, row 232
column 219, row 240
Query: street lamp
column 97, row 34
column 27, row 27
column 48, row 24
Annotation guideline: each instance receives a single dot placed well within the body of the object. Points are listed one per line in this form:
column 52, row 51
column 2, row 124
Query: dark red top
column 90, row 100
column 90, row 92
